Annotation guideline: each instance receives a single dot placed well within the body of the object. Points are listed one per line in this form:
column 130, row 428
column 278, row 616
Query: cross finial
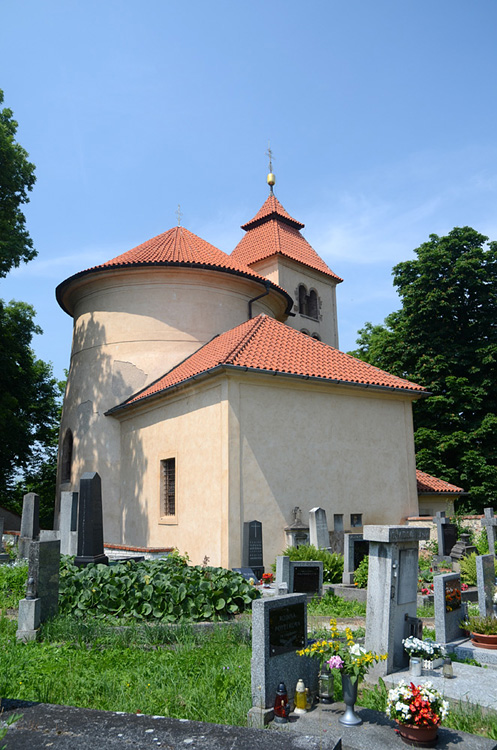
column 179, row 214
column 271, row 179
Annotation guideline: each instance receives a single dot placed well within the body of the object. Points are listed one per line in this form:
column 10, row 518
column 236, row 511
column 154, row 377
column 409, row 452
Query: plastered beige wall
column 191, row 428
column 429, row 505
column 302, row 445
column 130, row 327
column 288, row 274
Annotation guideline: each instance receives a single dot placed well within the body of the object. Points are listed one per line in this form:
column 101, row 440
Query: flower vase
column 418, row 736
column 349, row 688
column 415, row 666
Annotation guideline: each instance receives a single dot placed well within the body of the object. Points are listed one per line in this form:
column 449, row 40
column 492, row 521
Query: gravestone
column 319, row 535
column 247, row 573
column 279, row 629
column 462, row 548
column 90, row 522
column 68, row 523
column 446, row 536
column 306, row 577
column 449, row 609
column 392, row 591
column 30, row 523
column 354, row 550
column 282, row 574
column 3, row 555
column 42, row 595
column 489, row 522
column 297, row 533
column 252, row 556
column 485, row 580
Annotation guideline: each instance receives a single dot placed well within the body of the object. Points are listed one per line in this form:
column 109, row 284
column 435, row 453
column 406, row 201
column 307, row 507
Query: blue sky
column 381, row 115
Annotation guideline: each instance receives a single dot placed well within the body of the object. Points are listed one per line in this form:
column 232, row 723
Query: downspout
column 267, row 284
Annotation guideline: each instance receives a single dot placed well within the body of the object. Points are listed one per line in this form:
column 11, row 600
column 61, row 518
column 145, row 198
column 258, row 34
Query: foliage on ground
column 13, row 579
column 332, row 561
column 335, row 606
column 468, row 569
column 361, row 573
column 201, row 676
column 167, row 590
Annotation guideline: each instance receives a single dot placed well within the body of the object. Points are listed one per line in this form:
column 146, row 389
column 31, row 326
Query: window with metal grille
column 168, row 487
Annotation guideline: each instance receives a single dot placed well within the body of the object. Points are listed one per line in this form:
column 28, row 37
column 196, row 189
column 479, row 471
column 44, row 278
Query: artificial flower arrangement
column 347, row 656
column 418, row 705
column 422, row 649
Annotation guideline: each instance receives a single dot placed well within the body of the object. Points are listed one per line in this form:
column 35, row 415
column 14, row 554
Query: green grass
column 334, row 606
column 13, row 578
column 198, row 676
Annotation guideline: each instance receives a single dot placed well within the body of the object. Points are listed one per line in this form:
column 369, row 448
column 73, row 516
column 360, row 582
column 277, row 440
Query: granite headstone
column 90, row 522
column 485, row 580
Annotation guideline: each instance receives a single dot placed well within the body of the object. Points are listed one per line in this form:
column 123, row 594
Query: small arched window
column 66, row 457
column 316, row 336
column 312, row 305
column 304, row 330
column 302, row 300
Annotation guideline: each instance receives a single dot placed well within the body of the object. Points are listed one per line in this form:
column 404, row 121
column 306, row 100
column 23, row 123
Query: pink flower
column 335, row 662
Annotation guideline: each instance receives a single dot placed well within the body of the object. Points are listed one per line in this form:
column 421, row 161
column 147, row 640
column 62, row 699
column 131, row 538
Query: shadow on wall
column 97, row 381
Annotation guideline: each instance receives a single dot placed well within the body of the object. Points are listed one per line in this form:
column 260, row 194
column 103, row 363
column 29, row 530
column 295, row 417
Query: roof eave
column 64, row 285
column 238, row 368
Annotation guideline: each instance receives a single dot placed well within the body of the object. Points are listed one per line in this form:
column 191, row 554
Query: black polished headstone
column 287, row 629
column 449, row 538
column 361, row 550
column 43, row 568
column 252, row 547
column 306, row 579
column 90, row 522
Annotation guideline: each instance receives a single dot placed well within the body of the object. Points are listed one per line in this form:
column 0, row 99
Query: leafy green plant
column 167, row 590
column 361, row 573
column 13, row 579
column 332, row 561
column 484, row 625
column 468, row 569
column 481, row 543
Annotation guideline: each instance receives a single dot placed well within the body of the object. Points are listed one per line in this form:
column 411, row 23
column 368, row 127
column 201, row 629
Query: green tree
column 16, row 180
column 29, row 406
column 445, row 338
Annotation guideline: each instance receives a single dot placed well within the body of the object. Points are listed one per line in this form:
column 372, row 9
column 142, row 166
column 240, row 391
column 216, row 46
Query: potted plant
column 428, row 652
column 483, row 630
column 418, row 711
column 351, row 659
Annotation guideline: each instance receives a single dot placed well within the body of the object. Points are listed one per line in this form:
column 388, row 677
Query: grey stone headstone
column 283, row 572
column 448, row 607
column 392, row 589
column 485, row 578
column 279, row 628
column 252, row 554
column 319, row 535
column 44, row 565
column 68, row 523
column 30, row 523
column 29, row 619
column 90, row 522
column 490, row 523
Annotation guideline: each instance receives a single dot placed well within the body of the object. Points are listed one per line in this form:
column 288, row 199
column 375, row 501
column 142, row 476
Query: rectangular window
column 338, row 522
column 355, row 520
column 168, row 487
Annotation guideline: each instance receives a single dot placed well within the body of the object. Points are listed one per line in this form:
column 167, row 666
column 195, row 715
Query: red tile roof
column 273, row 231
column 265, row 344
column 428, row 484
column 176, row 247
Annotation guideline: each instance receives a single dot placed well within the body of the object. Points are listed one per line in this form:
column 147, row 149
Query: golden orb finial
column 270, row 179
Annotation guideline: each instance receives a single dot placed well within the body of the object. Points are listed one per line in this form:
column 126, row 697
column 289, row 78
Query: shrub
column 361, row 573
column 468, row 569
column 332, row 562
column 167, row 590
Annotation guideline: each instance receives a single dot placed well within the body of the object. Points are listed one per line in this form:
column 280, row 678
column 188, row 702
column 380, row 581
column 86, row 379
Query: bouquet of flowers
column 267, row 578
column 350, row 657
column 420, row 705
column 423, row 649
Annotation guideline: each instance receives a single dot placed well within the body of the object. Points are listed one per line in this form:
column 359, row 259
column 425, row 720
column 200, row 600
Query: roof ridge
column 244, row 341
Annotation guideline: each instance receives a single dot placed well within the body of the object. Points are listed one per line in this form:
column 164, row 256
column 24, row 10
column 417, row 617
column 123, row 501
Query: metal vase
column 349, row 688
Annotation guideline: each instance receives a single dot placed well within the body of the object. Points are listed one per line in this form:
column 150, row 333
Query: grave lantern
column 281, row 705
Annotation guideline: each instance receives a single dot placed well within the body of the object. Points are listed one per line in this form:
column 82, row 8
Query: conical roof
column 176, row 247
column 273, row 231
column 263, row 344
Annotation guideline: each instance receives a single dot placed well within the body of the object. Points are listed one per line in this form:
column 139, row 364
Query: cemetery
column 165, row 638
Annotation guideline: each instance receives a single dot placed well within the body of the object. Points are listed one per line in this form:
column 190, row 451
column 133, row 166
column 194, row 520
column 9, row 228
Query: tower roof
column 273, row 231
column 265, row 345
column 176, row 247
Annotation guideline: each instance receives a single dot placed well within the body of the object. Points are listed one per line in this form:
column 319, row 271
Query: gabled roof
column 273, row 231
column 176, row 247
column 429, row 485
column 265, row 345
